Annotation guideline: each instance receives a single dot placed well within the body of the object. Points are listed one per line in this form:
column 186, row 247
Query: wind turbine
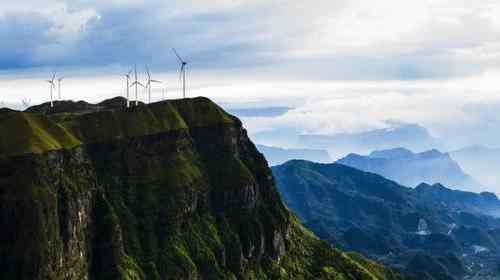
column 128, row 87
column 136, row 83
column 26, row 102
column 148, row 84
column 59, row 86
column 52, row 86
column 182, row 73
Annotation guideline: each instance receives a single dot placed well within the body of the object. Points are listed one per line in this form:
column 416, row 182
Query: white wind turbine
column 182, row 73
column 52, row 86
column 59, row 86
column 128, row 87
column 149, row 82
column 136, row 83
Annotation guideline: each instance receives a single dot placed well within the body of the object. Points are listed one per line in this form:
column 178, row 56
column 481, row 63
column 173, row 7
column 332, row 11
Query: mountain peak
column 411, row 169
column 392, row 153
column 433, row 153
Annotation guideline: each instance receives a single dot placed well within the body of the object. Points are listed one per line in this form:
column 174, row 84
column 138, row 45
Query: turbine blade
column 147, row 72
column 178, row 56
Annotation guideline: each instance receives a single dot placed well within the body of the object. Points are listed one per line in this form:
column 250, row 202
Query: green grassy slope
column 171, row 190
column 23, row 133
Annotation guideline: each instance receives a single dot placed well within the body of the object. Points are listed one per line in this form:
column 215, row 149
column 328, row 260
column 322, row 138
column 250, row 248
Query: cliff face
column 172, row 190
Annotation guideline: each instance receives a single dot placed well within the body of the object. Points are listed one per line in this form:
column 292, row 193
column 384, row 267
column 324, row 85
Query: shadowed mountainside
column 406, row 228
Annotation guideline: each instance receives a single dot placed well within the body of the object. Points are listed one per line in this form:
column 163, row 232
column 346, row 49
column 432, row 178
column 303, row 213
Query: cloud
column 337, row 39
column 88, row 34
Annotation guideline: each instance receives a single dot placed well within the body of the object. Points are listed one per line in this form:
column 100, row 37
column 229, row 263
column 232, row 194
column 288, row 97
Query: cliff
column 171, row 190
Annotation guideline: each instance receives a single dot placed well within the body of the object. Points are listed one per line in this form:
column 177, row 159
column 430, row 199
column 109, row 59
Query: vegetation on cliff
column 171, row 190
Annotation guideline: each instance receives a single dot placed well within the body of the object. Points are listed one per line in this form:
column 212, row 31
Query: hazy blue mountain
column 411, row 169
column 437, row 194
column 259, row 111
column 417, row 230
column 411, row 136
column 482, row 163
column 276, row 155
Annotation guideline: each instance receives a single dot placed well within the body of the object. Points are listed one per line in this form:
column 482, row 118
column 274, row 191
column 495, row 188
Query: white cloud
column 338, row 39
column 276, row 52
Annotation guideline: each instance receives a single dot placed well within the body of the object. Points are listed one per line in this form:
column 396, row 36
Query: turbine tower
column 128, row 87
column 136, row 83
column 148, row 83
column 52, row 86
column 59, row 86
column 182, row 73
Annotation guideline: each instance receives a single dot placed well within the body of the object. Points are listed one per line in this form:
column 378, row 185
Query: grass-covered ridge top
column 35, row 132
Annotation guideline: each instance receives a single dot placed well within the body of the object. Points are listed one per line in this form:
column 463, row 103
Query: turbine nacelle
column 137, row 83
column 149, row 82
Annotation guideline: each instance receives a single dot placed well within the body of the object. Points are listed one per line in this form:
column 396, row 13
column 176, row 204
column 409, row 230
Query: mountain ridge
column 276, row 155
column 407, row 228
column 411, row 169
column 482, row 163
column 171, row 190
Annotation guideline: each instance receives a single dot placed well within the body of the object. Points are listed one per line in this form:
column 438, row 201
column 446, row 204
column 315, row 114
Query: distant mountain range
column 482, row 163
column 410, row 169
column 259, row 111
column 456, row 200
column 275, row 155
column 411, row 136
column 430, row 231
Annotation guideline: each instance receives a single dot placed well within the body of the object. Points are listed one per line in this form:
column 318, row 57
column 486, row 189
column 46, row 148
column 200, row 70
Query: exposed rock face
column 173, row 190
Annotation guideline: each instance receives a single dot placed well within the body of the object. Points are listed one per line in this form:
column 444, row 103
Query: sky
column 342, row 65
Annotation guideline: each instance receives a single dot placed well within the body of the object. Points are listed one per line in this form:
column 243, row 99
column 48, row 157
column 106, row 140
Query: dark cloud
column 130, row 35
column 21, row 35
column 286, row 38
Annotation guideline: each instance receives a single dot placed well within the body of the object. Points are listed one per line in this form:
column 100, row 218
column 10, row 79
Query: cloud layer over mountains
column 331, row 39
